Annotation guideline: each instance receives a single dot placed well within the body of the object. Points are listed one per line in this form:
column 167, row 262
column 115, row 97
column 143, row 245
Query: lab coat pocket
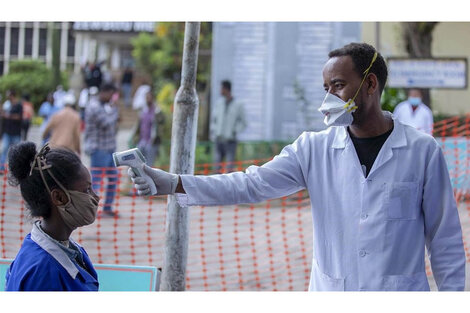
column 320, row 281
column 413, row 282
column 402, row 201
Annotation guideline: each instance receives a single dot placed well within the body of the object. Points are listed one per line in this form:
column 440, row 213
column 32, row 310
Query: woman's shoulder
column 33, row 256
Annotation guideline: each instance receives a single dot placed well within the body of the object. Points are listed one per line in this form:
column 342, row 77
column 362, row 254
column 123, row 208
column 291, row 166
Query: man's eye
column 339, row 85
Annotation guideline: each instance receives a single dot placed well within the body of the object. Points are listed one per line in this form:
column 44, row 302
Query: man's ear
column 59, row 197
column 372, row 83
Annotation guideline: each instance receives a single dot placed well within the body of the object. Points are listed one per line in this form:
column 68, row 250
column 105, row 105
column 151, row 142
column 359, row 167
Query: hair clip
column 39, row 161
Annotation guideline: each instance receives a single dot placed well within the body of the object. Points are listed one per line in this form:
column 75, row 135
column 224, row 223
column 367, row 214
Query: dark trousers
column 225, row 151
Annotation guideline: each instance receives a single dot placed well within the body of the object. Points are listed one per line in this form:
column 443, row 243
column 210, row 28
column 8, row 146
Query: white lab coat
column 369, row 233
column 420, row 119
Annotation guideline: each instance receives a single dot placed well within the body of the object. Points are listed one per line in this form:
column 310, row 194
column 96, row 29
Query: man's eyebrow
column 337, row 80
column 334, row 81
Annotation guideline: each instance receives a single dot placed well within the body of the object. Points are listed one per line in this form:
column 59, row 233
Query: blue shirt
column 41, row 265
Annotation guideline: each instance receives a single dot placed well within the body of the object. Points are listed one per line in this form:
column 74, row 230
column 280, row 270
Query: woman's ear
column 59, row 197
column 373, row 83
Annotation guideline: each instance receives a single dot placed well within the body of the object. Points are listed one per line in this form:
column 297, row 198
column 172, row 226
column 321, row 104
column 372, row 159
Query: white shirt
column 228, row 121
column 369, row 233
column 420, row 119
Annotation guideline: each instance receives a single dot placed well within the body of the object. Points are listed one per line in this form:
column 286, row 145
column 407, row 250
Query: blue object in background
column 112, row 277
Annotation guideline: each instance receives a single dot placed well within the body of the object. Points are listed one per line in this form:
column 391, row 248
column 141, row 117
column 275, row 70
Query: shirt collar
column 52, row 247
column 397, row 138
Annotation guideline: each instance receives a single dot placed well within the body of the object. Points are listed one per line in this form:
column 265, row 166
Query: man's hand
column 165, row 182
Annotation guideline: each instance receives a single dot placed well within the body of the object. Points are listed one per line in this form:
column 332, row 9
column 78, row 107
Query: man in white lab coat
column 380, row 191
column 414, row 112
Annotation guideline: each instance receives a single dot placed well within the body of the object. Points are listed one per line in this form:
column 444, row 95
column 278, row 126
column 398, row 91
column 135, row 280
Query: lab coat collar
column 56, row 252
column 396, row 139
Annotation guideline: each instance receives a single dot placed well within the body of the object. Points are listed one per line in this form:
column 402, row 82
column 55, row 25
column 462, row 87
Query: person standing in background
column 28, row 113
column 46, row 111
column 228, row 121
column 147, row 131
column 12, row 121
column 126, row 86
column 64, row 127
column 101, row 121
column 414, row 112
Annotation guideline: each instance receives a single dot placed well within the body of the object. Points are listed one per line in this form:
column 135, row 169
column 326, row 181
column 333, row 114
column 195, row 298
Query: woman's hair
column 65, row 166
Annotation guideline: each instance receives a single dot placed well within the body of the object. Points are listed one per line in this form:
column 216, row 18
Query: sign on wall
column 427, row 73
column 115, row 26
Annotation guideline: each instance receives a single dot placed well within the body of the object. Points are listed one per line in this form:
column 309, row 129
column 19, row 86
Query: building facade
column 276, row 71
column 80, row 42
column 21, row 40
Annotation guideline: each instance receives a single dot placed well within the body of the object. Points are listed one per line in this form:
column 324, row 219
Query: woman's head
column 61, row 167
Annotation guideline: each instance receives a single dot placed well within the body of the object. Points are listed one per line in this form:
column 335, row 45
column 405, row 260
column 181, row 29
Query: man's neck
column 374, row 125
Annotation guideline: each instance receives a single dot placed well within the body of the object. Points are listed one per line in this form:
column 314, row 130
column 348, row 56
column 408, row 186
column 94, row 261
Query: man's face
column 149, row 98
column 224, row 92
column 414, row 93
column 341, row 80
column 105, row 96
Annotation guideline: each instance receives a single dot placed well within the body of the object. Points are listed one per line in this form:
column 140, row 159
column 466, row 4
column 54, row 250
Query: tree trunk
column 183, row 146
column 418, row 41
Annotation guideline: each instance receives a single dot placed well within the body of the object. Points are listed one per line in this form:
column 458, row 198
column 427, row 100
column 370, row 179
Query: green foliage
column 32, row 77
column 165, row 99
column 160, row 54
column 391, row 97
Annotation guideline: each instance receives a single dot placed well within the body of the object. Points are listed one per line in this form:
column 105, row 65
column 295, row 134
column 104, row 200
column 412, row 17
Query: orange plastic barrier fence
column 265, row 246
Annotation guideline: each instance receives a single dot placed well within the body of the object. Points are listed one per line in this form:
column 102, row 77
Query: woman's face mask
column 80, row 210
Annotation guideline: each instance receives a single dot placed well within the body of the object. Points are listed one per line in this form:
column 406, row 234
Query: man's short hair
column 361, row 55
column 227, row 85
column 108, row 87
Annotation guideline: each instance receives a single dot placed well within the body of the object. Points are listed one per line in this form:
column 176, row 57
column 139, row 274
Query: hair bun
column 20, row 157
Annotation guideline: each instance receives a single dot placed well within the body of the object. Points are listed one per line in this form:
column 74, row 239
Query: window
column 28, row 41
column 2, row 41
column 70, row 44
column 15, row 32
column 42, row 41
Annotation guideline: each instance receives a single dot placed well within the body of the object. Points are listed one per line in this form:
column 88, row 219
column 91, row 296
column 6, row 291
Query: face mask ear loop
column 346, row 106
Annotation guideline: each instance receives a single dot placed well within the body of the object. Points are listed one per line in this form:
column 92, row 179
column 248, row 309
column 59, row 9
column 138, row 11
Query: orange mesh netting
column 265, row 246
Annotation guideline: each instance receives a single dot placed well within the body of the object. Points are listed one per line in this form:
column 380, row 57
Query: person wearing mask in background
column 28, row 113
column 379, row 190
column 12, row 122
column 46, row 111
column 227, row 123
column 57, row 189
column 126, row 86
column 101, row 121
column 64, row 127
column 146, row 135
column 414, row 112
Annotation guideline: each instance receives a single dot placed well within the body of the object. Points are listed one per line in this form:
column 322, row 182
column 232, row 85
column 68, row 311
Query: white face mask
column 336, row 111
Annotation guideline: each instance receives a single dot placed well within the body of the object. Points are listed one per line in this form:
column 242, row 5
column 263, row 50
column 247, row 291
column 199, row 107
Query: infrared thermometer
column 135, row 160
